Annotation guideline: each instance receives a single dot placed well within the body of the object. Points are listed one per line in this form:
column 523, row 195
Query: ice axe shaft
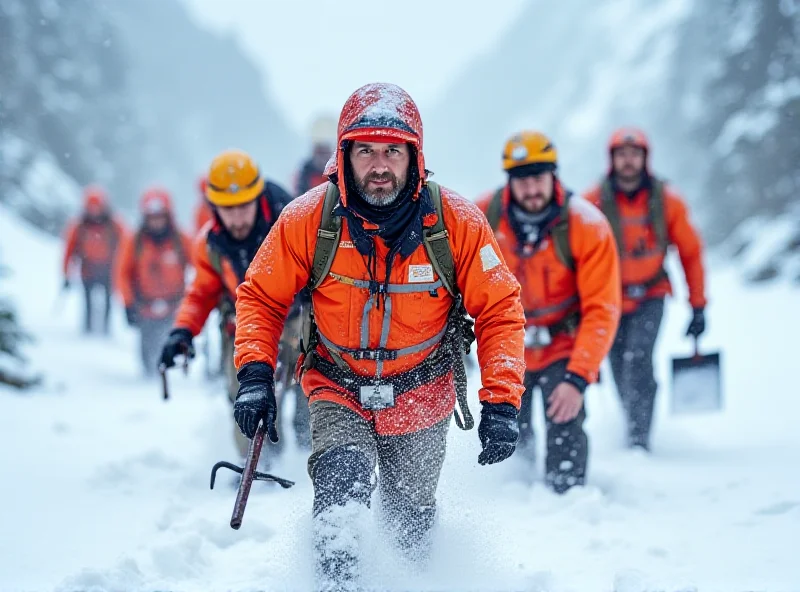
column 162, row 369
column 249, row 474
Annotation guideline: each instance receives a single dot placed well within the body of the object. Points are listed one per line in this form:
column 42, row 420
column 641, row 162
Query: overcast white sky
column 316, row 52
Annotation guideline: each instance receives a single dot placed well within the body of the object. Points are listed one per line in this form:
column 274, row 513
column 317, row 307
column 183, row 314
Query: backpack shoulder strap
column 495, row 210
column 214, row 258
column 608, row 205
column 657, row 213
column 138, row 244
column 437, row 245
column 560, row 236
column 330, row 230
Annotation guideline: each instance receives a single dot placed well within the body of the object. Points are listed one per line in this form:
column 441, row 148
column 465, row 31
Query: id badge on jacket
column 375, row 397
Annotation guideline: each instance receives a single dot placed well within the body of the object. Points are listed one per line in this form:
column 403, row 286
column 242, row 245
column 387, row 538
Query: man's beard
column 629, row 175
column 534, row 203
column 382, row 196
column 240, row 233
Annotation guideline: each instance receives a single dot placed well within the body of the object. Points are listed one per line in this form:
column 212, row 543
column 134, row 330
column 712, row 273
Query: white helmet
column 323, row 130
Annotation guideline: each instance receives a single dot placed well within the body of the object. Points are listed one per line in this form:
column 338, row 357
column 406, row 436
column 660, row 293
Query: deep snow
column 105, row 487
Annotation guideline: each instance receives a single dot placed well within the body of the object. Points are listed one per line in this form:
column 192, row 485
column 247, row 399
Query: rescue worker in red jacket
column 562, row 251
column 389, row 258
column 647, row 216
column 312, row 171
column 245, row 206
column 151, row 273
column 92, row 241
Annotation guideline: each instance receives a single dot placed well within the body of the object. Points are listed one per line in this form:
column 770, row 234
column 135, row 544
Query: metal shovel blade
column 696, row 384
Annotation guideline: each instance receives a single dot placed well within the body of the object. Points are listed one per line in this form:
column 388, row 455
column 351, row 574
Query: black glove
column 65, row 286
column 498, row 432
column 256, row 399
column 130, row 315
column 697, row 325
column 178, row 343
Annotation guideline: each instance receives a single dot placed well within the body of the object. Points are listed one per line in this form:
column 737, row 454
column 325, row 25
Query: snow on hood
column 378, row 112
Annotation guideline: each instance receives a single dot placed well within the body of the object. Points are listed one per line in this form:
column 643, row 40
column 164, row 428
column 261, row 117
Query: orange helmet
column 628, row 136
column 95, row 200
column 529, row 153
column 155, row 200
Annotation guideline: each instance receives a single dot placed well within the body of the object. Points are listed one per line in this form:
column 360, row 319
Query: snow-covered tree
column 753, row 110
column 12, row 339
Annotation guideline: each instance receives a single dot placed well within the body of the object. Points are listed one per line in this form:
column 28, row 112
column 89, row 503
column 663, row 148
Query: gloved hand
column 498, row 431
column 130, row 316
column 178, row 343
column 256, row 400
column 697, row 325
column 65, row 286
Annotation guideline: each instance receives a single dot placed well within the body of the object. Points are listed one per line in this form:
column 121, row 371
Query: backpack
column 655, row 213
column 559, row 232
column 441, row 257
column 434, row 239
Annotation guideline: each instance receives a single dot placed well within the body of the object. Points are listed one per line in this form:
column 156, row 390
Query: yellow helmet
column 529, row 153
column 233, row 179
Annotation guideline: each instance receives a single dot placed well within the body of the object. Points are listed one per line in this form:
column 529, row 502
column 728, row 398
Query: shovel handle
column 696, row 346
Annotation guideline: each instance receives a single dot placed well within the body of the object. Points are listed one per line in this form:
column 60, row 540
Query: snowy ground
column 105, row 487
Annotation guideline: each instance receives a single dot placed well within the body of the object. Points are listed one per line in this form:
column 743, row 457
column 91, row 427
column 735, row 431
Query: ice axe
column 162, row 369
column 696, row 383
column 249, row 474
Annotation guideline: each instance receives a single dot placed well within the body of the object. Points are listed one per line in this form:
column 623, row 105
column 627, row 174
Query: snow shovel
column 249, row 474
column 696, row 383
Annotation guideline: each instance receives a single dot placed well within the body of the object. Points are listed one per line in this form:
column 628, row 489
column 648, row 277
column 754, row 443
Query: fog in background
column 132, row 93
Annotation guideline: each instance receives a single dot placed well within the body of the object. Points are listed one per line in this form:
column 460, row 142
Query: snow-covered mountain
column 715, row 84
column 125, row 94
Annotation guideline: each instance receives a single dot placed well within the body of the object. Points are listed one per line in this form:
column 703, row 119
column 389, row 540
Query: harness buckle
column 375, row 355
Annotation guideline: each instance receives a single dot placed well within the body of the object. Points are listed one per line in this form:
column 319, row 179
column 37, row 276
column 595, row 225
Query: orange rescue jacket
column 151, row 275
column 94, row 245
column 642, row 259
column 491, row 296
column 552, row 293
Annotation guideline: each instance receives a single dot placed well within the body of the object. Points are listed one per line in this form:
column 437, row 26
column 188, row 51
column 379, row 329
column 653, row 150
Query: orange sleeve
column 689, row 244
column 281, row 269
column 492, row 297
column 71, row 236
column 125, row 268
column 203, row 293
column 599, row 287
column 189, row 248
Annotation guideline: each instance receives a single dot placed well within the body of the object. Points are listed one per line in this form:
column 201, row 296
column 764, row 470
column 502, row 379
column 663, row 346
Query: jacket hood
column 378, row 112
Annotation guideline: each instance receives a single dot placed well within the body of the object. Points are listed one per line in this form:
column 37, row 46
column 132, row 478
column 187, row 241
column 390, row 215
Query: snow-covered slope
column 105, row 486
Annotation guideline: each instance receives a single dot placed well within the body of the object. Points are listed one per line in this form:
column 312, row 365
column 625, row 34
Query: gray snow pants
column 345, row 452
column 567, row 443
column 631, row 360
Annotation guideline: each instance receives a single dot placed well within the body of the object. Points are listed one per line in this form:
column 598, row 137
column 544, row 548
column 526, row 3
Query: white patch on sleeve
column 489, row 258
column 419, row 274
